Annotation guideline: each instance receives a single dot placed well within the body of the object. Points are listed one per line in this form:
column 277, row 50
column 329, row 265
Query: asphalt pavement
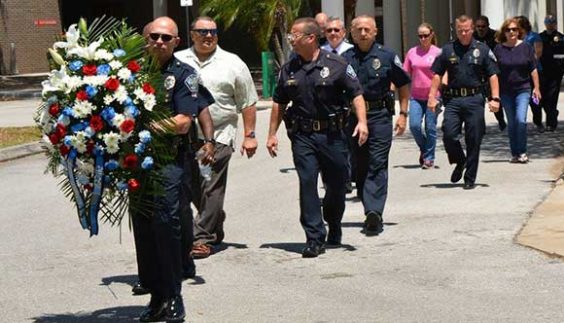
column 446, row 255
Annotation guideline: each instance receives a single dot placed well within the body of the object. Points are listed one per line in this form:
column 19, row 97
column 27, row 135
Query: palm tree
column 267, row 21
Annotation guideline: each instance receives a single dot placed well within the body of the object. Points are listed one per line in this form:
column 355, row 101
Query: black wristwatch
column 496, row 99
column 404, row 113
column 251, row 135
column 211, row 141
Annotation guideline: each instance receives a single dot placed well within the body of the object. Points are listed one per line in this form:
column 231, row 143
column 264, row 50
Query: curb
column 20, row 94
column 20, row 151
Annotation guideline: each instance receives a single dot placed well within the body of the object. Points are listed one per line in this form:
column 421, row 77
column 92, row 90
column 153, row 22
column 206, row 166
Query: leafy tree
column 267, row 21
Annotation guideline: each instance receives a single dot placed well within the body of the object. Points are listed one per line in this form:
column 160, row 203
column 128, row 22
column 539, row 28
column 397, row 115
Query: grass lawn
column 11, row 136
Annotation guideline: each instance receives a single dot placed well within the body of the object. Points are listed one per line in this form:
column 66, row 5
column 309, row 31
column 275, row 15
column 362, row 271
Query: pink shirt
column 418, row 64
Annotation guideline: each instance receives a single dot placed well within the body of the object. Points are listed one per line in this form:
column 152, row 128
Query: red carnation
column 112, row 84
column 82, row 95
column 89, row 69
column 127, row 125
column 60, row 130
column 133, row 66
column 54, row 138
column 54, row 109
column 90, row 147
column 88, row 187
column 147, row 88
column 64, row 150
column 96, row 123
column 133, row 185
column 130, row 161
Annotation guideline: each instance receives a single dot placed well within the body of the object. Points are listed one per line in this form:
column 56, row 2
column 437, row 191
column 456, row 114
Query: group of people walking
column 337, row 102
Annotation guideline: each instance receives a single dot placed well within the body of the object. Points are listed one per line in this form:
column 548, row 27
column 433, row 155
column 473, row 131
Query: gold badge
column 376, row 64
column 169, row 82
column 324, row 72
column 476, row 53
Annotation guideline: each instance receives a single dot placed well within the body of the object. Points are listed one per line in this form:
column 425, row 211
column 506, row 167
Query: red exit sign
column 45, row 22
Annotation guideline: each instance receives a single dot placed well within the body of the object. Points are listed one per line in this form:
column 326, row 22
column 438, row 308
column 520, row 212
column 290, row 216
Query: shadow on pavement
column 120, row 279
column 294, row 247
column 287, row 170
column 112, row 314
column 226, row 245
column 450, row 185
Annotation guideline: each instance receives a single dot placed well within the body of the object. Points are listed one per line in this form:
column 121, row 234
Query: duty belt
column 375, row 105
column 334, row 123
column 461, row 92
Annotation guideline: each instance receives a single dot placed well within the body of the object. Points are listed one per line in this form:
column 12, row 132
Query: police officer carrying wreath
column 377, row 68
column 467, row 62
column 319, row 84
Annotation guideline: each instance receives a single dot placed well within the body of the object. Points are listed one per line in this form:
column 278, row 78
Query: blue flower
column 67, row 141
column 127, row 101
column 147, row 163
column 131, row 78
column 52, row 99
column 78, row 127
column 145, row 136
column 107, row 179
column 75, row 65
column 139, row 148
column 108, row 114
column 112, row 165
column 89, row 132
column 131, row 111
column 121, row 186
column 68, row 111
column 63, row 119
column 91, row 90
column 103, row 69
column 119, row 52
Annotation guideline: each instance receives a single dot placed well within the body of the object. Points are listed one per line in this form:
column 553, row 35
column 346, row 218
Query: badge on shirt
column 476, row 53
column 397, row 61
column 350, row 72
column 169, row 82
column 376, row 64
column 556, row 39
column 192, row 83
column 324, row 72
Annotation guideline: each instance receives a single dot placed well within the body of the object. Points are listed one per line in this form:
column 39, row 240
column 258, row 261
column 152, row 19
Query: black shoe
column 334, row 236
column 457, row 173
column 540, row 128
column 174, row 311
column 155, row 311
column 349, row 187
column 469, row 185
column 550, row 129
column 373, row 225
column 189, row 269
column 312, row 250
column 139, row 289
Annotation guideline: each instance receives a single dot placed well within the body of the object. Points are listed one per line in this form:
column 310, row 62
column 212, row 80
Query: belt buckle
column 463, row 92
column 316, row 125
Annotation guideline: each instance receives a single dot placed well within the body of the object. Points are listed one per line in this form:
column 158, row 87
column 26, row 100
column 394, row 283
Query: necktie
column 334, row 51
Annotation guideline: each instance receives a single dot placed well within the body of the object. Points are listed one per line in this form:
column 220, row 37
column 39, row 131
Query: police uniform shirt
column 376, row 69
column 184, row 93
column 552, row 51
column 467, row 66
column 316, row 88
column 488, row 39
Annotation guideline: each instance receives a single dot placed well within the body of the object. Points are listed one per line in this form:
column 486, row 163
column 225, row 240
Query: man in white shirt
column 229, row 80
column 335, row 32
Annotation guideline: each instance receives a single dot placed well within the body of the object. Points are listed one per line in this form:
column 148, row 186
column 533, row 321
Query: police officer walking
column 467, row 62
column 158, row 238
column 552, row 59
column 319, row 85
column 377, row 68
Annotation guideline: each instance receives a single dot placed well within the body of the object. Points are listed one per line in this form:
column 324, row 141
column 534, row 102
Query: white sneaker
column 523, row 159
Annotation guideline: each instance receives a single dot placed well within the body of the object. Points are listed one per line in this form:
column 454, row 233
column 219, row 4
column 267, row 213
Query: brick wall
column 32, row 26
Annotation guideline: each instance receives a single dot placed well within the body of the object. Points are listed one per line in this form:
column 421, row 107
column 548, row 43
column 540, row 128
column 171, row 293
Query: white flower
column 112, row 140
column 47, row 143
column 82, row 108
column 78, row 144
column 102, row 54
column 71, row 36
column 112, row 149
column 139, row 95
column 125, row 135
column 124, row 74
column 48, row 127
column 88, row 53
column 150, row 102
column 55, row 82
column 72, row 83
column 85, row 167
column 97, row 80
column 81, row 135
column 115, row 65
column 120, row 94
column 118, row 119
column 108, row 99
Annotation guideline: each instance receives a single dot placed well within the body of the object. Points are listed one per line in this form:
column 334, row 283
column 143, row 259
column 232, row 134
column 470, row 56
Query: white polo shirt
column 229, row 80
column 343, row 47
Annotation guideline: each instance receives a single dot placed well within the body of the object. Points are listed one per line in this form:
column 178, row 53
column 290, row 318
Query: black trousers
column 467, row 111
column 550, row 89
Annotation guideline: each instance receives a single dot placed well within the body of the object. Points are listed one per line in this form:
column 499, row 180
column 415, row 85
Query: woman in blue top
column 518, row 67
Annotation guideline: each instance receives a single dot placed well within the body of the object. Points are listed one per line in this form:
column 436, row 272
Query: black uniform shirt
column 319, row 88
column 467, row 66
column 185, row 94
column 376, row 69
column 488, row 39
column 552, row 57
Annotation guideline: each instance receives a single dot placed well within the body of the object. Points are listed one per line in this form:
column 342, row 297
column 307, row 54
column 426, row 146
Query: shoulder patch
column 191, row 83
column 397, row 61
column 350, row 72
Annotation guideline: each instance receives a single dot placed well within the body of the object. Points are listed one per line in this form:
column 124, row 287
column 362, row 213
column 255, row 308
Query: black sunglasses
column 165, row 37
column 204, row 32
column 423, row 36
column 336, row 30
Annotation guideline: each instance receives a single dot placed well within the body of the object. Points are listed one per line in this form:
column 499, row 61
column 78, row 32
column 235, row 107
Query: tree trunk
column 278, row 50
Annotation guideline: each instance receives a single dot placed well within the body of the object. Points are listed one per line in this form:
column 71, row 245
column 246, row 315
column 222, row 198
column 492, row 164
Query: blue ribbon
column 97, row 191
column 78, row 197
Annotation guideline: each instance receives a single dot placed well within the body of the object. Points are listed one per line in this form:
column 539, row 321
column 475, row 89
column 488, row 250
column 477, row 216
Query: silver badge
column 350, row 72
column 556, row 39
column 324, row 72
column 192, row 83
column 476, row 53
column 169, row 82
column 376, row 64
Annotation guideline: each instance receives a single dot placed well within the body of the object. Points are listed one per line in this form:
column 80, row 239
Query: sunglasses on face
column 165, row 37
column 333, row 30
column 205, row 32
column 424, row 36
column 510, row 30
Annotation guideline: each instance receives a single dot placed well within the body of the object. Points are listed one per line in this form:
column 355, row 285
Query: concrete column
column 334, row 8
column 160, row 8
column 365, row 7
column 560, row 15
column 392, row 24
column 494, row 10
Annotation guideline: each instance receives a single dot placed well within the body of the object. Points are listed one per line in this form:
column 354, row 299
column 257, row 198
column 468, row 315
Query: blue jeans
column 427, row 141
column 516, row 106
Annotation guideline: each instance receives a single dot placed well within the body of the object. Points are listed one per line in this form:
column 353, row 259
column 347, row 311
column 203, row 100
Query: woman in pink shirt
column 417, row 64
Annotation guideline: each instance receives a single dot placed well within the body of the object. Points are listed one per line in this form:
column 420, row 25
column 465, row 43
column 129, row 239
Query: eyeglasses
column 294, row 37
column 510, row 30
column 165, row 37
column 424, row 36
column 333, row 30
column 205, row 32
